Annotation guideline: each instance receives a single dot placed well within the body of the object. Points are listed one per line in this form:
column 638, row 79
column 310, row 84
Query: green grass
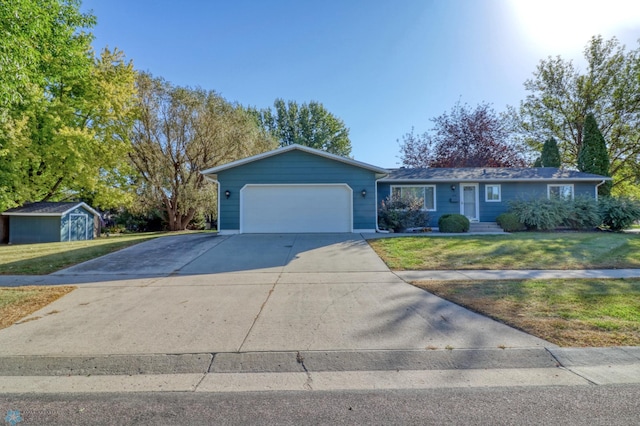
column 565, row 312
column 527, row 250
column 40, row 259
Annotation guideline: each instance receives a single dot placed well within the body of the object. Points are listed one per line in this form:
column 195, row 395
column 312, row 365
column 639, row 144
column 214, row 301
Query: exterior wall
column 300, row 168
column 34, row 229
column 77, row 234
column 4, row 229
column 448, row 201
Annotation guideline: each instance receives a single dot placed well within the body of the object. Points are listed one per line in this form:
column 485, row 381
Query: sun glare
column 559, row 26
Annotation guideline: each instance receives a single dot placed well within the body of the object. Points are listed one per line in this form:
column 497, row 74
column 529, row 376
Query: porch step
column 484, row 227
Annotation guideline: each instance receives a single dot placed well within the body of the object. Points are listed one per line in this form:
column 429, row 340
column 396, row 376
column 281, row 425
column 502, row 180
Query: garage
column 295, row 189
column 292, row 208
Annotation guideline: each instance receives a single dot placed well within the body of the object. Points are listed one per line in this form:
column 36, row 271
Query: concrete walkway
column 259, row 312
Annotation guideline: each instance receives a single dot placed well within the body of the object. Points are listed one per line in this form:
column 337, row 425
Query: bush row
column 398, row 214
column 582, row 213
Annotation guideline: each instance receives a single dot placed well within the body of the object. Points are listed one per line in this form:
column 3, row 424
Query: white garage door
column 295, row 208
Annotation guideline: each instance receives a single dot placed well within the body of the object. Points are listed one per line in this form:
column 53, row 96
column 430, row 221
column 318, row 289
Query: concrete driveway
column 243, row 293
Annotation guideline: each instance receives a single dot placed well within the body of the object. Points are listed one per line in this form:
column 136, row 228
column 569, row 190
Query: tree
column 463, row 138
column 307, row 124
column 593, row 156
column 560, row 97
column 550, row 156
column 180, row 132
column 66, row 113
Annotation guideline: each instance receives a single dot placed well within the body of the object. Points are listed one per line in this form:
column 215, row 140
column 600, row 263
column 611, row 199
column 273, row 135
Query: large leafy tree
column 561, row 96
column 463, row 137
column 180, row 132
column 307, row 124
column 593, row 156
column 65, row 113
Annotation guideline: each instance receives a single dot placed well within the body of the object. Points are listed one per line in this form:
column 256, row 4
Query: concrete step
column 485, row 227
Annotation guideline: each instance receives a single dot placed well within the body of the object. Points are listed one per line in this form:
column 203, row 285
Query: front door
column 469, row 202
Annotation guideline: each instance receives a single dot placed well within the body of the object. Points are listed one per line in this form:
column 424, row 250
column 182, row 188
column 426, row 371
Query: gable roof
column 212, row 172
column 48, row 209
column 490, row 174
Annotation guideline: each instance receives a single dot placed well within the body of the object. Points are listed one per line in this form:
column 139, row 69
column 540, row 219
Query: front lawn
column 584, row 313
column 45, row 258
column 526, row 250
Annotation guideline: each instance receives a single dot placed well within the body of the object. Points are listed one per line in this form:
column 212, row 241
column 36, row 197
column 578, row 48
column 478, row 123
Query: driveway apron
column 243, row 293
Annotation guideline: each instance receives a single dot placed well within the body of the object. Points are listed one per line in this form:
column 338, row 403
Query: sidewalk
column 482, row 275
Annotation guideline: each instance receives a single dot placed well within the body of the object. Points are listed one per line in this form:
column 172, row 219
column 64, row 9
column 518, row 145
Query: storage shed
column 48, row 222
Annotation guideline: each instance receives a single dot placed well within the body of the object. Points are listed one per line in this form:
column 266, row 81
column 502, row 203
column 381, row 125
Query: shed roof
column 490, row 174
column 212, row 172
column 48, row 209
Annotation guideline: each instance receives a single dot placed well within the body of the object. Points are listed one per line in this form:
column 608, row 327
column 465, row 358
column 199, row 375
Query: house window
column 426, row 192
column 492, row 193
column 560, row 192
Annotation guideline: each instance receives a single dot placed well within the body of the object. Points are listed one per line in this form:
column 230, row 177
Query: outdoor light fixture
column 364, row 193
column 453, row 187
column 227, row 193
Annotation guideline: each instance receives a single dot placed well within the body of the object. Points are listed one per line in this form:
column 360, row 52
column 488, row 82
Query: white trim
column 486, row 194
column 573, row 191
column 477, row 200
column 435, row 207
column 282, row 150
column 307, row 185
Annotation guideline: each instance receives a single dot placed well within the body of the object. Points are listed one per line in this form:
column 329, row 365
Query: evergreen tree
column 593, row 156
column 550, row 154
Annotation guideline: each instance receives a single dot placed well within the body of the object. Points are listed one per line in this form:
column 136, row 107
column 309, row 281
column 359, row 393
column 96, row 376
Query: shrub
column 583, row 214
column 453, row 223
column 540, row 213
column 618, row 213
column 509, row 222
column 398, row 214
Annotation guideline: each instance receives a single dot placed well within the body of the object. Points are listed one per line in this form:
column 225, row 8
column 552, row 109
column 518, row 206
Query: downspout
column 598, row 186
column 382, row 231
column 218, row 184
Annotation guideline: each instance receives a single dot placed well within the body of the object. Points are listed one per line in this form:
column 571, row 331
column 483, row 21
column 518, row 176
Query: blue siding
column 448, row 201
column 81, row 230
column 297, row 167
column 34, row 229
column 50, row 229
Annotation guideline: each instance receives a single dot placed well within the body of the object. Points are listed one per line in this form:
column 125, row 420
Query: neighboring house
column 300, row 189
column 52, row 222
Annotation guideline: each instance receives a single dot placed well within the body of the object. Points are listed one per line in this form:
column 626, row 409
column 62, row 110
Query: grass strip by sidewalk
column 525, row 250
column 18, row 302
column 45, row 258
column 580, row 313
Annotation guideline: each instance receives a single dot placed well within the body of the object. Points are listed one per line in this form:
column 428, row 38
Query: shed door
column 78, row 227
column 296, row 208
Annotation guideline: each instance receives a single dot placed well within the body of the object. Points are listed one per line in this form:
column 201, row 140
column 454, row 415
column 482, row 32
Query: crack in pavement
column 273, row 287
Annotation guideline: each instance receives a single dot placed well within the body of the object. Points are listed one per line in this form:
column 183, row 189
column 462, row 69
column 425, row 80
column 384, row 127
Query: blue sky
column 381, row 66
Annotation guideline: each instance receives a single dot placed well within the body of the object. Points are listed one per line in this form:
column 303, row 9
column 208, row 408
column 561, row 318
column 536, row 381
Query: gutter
column 378, row 230
column 219, row 186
